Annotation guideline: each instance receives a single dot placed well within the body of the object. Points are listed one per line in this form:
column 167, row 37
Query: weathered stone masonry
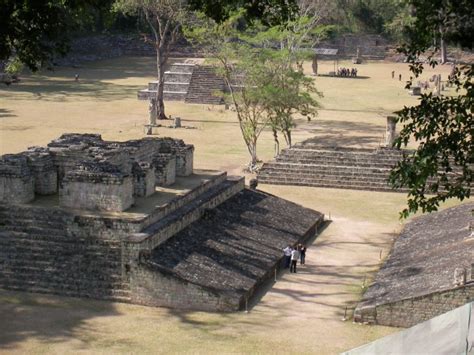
column 420, row 278
column 83, row 217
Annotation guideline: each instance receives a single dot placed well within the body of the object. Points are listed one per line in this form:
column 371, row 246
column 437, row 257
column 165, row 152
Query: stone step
column 316, row 168
column 31, row 229
column 176, row 87
column 174, row 96
column 328, row 184
column 326, row 155
column 204, row 83
column 51, row 288
column 182, row 67
column 349, row 178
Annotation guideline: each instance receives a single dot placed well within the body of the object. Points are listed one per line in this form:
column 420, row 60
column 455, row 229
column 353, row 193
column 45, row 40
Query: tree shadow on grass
column 6, row 113
column 48, row 318
column 60, row 90
column 336, row 133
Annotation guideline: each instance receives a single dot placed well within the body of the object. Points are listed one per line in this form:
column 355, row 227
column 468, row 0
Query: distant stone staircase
column 176, row 85
column 204, row 85
column 344, row 168
column 197, row 84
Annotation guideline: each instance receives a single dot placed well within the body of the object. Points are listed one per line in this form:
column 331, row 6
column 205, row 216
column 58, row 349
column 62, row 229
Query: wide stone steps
column 203, row 86
column 325, row 183
column 316, row 168
column 114, row 293
column 306, row 165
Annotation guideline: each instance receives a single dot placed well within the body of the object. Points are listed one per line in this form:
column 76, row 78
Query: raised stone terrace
column 309, row 164
column 429, row 271
column 86, row 217
column 191, row 83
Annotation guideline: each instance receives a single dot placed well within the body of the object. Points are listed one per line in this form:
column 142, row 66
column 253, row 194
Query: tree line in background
column 35, row 30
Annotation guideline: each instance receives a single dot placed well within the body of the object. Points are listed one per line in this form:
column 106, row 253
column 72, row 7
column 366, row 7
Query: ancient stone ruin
column 429, row 271
column 307, row 164
column 191, row 83
column 135, row 222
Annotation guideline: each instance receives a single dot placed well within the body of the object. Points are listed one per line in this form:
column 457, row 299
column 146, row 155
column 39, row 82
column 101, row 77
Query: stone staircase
column 203, row 86
column 358, row 169
column 176, row 85
column 181, row 215
column 40, row 252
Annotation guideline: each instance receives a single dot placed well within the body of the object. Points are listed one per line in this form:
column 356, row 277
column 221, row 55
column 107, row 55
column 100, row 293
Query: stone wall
column 97, row 196
column 152, row 288
column 17, row 184
column 409, row 312
column 49, row 250
column 419, row 279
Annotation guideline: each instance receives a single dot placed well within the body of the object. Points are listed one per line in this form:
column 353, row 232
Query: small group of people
column 347, row 72
column 292, row 255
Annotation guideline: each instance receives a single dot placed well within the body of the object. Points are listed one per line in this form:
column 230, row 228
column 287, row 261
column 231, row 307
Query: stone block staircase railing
column 306, row 165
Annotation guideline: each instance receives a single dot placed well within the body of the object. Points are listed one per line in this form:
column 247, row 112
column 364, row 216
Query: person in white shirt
column 287, row 252
column 295, row 255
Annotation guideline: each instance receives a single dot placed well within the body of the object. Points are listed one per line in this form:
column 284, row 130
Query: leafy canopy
column 442, row 166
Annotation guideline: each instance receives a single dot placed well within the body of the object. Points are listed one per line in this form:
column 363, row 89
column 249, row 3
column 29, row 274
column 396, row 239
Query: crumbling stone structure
column 135, row 222
column 89, row 173
column 421, row 278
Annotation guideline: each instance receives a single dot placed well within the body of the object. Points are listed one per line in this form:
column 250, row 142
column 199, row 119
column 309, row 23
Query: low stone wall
column 409, row 312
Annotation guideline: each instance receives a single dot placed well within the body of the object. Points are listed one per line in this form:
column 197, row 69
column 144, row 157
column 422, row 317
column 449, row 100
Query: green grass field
column 300, row 313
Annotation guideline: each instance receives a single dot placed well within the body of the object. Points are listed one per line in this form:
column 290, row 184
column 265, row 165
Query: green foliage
column 14, row 66
column 441, row 167
column 33, row 30
column 261, row 67
column 269, row 12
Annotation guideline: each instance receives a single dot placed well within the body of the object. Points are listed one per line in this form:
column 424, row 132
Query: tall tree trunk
column 252, row 148
column 277, row 143
column 287, row 135
column 160, row 68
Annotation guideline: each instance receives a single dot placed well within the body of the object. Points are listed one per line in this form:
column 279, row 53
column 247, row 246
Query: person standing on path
column 302, row 254
column 287, row 252
column 295, row 255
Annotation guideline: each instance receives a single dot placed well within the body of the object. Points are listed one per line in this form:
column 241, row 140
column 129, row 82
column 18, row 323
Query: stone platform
column 109, row 244
column 429, row 271
column 307, row 164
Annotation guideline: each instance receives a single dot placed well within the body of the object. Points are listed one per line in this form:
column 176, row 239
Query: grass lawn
column 300, row 313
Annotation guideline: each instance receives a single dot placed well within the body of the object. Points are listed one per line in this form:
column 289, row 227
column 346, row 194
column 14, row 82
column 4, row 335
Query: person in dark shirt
column 302, row 254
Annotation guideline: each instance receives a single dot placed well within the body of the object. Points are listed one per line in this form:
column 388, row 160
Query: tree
column 164, row 19
column 289, row 93
column 441, row 167
column 33, row 31
column 264, row 82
